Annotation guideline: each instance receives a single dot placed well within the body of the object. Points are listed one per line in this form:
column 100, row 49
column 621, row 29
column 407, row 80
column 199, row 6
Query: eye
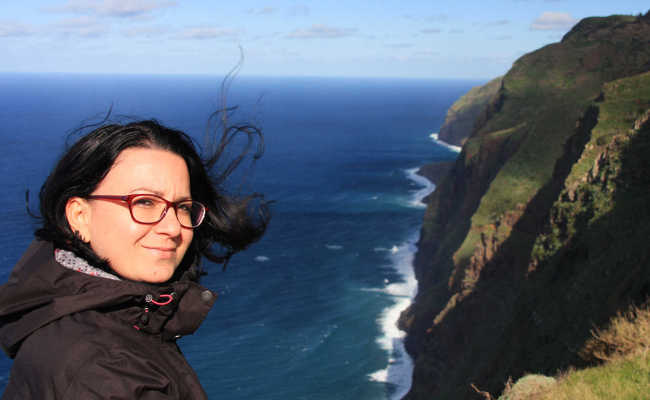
column 145, row 202
column 185, row 208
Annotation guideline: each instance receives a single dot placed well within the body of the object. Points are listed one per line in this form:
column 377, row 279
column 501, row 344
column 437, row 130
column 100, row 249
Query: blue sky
column 380, row 38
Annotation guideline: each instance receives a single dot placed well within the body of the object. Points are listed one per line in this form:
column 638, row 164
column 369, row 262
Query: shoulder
column 88, row 355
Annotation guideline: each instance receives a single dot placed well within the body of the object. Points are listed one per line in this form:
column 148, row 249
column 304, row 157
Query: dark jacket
column 76, row 336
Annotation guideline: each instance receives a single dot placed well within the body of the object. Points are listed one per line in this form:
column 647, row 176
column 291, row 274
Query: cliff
column 464, row 114
column 537, row 234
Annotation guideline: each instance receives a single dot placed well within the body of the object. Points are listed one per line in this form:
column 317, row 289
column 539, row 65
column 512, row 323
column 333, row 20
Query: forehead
column 146, row 168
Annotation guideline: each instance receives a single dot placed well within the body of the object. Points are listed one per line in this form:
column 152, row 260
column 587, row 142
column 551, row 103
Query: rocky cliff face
column 537, row 233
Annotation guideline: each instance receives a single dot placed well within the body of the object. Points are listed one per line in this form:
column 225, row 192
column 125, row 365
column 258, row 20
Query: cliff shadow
column 518, row 321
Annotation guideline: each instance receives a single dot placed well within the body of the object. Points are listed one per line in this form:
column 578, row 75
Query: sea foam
column 426, row 188
column 434, row 136
column 400, row 366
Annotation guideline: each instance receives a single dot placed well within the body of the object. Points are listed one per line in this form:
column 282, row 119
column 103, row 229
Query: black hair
column 232, row 223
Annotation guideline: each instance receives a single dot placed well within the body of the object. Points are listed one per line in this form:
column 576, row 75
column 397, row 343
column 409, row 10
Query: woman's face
column 139, row 252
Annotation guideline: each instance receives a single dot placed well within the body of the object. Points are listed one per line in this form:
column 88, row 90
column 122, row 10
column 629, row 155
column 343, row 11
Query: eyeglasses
column 150, row 209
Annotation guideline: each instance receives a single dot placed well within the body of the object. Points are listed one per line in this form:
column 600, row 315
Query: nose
column 169, row 224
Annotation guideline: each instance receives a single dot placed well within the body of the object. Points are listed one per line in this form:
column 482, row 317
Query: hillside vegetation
column 464, row 114
column 624, row 345
column 537, row 236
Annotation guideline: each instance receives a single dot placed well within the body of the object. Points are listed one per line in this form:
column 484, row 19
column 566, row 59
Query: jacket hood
column 40, row 291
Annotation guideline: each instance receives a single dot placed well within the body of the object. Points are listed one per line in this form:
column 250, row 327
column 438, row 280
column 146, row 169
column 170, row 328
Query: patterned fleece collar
column 70, row 260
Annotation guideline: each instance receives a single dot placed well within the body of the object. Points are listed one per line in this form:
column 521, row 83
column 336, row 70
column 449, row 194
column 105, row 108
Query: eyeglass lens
column 149, row 209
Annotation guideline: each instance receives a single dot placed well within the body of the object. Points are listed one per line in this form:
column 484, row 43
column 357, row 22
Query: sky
column 464, row 39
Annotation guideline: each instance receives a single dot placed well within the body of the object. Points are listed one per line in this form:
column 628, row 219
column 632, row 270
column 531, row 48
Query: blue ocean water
column 309, row 311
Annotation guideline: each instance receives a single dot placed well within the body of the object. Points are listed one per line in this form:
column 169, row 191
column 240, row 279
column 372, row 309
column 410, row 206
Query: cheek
column 112, row 235
column 187, row 239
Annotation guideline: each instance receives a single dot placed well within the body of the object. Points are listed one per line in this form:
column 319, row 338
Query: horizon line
column 244, row 75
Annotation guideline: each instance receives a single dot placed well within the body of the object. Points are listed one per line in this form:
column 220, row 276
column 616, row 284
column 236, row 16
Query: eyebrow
column 157, row 193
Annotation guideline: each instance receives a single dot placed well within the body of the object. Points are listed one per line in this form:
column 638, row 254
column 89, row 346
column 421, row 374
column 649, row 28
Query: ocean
column 309, row 311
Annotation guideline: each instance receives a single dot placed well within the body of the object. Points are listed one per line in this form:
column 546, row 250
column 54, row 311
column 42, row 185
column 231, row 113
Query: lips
column 162, row 251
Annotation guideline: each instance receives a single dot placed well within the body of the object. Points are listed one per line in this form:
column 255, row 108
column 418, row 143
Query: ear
column 78, row 213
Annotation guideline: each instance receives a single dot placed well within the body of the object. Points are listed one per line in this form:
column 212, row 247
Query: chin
column 159, row 275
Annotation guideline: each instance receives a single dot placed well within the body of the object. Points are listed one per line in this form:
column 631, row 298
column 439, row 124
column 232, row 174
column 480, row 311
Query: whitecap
column 427, row 187
column 379, row 376
column 334, row 246
column 377, row 290
column 262, row 259
column 400, row 366
column 434, row 137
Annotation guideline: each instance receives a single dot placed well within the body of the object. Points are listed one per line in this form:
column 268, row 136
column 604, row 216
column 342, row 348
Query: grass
column 624, row 101
column 627, row 333
column 473, row 145
column 461, row 116
column 583, row 202
column 478, row 95
column 528, row 387
column 627, row 378
column 624, row 345
column 593, row 258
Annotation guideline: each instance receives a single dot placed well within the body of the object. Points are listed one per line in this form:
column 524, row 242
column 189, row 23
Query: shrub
column 627, row 333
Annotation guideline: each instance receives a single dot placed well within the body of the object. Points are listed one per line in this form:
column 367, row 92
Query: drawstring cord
column 169, row 298
column 148, row 299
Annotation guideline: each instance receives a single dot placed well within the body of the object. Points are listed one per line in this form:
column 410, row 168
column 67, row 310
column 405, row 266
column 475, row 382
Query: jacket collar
column 40, row 291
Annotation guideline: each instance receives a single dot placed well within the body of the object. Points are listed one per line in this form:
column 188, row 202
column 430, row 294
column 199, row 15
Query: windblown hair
column 232, row 223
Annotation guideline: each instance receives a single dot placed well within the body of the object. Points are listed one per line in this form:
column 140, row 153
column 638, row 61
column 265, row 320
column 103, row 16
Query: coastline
column 400, row 368
column 434, row 137
column 398, row 373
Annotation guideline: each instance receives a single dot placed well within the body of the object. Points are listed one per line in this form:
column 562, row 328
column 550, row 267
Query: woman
column 94, row 307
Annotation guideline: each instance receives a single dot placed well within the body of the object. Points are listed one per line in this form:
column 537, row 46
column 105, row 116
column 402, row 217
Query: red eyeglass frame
column 169, row 204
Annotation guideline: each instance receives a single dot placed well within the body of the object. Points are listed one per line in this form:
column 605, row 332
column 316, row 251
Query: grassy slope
column 624, row 345
column 583, row 201
column 478, row 284
column 624, row 379
column 627, row 378
column 546, row 92
column 462, row 115
column 597, row 242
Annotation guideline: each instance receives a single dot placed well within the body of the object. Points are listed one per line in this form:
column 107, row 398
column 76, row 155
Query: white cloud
column 319, row 31
column 203, row 33
column 114, row 8
column 553, row 21
column 87, row 27
column 431, row 30
column 15, row 29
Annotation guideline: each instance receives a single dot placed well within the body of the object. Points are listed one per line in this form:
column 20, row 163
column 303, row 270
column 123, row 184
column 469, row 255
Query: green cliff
column 537, row 234
column 464, row 114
